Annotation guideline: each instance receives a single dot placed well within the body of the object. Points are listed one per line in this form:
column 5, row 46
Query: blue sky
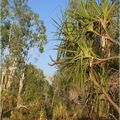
column 47, row 9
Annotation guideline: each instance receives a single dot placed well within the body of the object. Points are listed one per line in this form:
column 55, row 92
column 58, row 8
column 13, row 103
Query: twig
column 22, row 106
column 113, row 116
column 55, row 62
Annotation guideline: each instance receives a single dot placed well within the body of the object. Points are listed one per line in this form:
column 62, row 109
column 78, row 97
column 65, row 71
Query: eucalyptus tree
column 21, row 31
column 89, row 51
column 34, row 92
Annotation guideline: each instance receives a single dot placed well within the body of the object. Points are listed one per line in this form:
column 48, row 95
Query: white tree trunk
column 2, row 87
column 21, row 87
column 20, row 90
column 11, row 75
column 3, row 81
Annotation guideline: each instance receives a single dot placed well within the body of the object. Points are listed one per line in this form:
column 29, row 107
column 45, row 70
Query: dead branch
column 105, row 59
column 116, row 107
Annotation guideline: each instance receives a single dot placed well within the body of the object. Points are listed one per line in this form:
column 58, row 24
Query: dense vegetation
column 85, row 85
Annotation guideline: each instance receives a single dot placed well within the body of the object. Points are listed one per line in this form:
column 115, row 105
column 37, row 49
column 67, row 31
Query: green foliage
column 21, row 27
column 34, row 83
column 59, row 112
column 21, row 31
column 83, row 47
column 87, row 62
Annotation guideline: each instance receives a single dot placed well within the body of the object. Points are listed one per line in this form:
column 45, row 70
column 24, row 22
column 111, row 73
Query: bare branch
column 105, row 59
column 55, row 62
column 116, row 107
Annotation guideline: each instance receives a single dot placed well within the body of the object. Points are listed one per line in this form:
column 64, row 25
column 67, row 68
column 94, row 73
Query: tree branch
column 116, row 107
column 105, row 59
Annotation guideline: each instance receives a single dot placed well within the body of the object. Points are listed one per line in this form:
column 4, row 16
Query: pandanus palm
column 89, row 47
